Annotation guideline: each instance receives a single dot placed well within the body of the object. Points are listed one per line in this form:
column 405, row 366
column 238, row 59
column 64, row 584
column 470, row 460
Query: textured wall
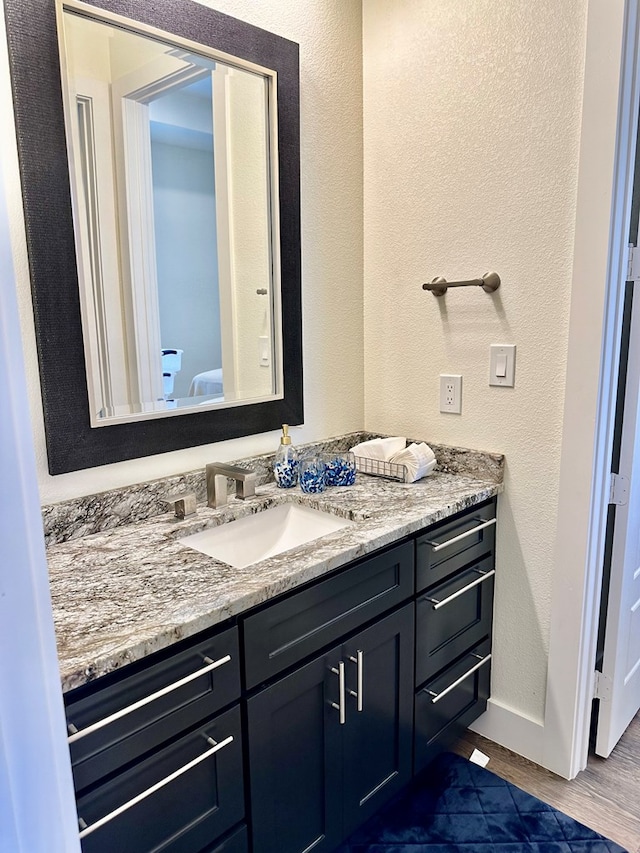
column 471, row 122
column 329, row 34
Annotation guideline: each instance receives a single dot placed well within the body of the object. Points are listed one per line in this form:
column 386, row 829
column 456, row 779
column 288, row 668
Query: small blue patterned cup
column 311, row 475
column 340, row 469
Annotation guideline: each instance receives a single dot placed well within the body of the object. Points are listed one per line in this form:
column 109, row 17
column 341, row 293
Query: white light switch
column 264, row 350
column 502, row 368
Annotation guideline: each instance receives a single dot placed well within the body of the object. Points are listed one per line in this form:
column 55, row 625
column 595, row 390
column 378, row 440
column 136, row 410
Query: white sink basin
column 265, row 534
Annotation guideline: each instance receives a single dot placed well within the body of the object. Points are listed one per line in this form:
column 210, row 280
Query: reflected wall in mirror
column 182, row 307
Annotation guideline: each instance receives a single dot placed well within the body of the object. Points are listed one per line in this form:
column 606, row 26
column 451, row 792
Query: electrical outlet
column 451, row 394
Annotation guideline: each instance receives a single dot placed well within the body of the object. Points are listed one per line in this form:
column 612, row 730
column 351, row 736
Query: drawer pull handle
column 86, row 830
column 438, row 546
column 438, row 604
column 211, row 665
column 359, row 692
column 341, row 704
column 436, row 697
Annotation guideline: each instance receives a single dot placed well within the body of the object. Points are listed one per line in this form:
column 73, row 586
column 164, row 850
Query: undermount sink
column 266, row 534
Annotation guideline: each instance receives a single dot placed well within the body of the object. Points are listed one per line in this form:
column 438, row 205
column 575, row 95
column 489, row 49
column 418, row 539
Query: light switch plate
column 502, row 365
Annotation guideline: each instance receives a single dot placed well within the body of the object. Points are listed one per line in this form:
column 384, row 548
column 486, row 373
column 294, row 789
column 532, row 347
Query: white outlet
column 451, row 393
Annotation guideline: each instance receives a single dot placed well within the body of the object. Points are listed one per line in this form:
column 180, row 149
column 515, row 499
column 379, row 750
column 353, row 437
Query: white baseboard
column 512, row 729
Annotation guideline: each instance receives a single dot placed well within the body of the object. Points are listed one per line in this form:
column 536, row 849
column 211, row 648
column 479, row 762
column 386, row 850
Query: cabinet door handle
column 436, row 697
column 438, row 546
column 341, row 704
column 359, row 692
column 87, row 830
column 211, row 665
column 484, row 576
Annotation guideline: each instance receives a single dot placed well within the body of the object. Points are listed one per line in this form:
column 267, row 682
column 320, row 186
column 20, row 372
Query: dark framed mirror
column 72, row 441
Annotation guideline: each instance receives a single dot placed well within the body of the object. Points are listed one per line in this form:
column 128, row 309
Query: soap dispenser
column 285, row 464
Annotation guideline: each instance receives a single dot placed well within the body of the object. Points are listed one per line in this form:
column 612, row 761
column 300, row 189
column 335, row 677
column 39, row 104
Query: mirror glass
column 173, row 166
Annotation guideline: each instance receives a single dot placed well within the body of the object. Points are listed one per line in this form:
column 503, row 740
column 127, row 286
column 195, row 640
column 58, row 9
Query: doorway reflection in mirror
column 173, row 177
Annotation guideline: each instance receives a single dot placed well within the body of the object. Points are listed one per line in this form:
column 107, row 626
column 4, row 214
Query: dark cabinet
column 352, row 684
column 329, row 743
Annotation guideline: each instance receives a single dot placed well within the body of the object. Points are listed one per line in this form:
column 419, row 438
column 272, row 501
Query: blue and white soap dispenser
column 285, row 464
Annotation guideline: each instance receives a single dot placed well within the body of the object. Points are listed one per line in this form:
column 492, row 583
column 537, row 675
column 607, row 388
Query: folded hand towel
column 369, row 449
column 392, row 445
column 379, row 448
column 418, row 459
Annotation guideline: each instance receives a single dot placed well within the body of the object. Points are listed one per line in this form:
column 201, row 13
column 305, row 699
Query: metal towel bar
column 489, row 282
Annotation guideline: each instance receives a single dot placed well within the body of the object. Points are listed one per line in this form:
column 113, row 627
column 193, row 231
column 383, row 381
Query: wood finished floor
column 605, row 796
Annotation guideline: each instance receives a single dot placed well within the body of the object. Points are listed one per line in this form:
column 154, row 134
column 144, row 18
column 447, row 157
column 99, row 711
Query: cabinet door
column 377, row 737
column 295, row 762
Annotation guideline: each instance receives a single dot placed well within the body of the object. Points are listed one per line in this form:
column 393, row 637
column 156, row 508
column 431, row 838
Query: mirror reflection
column 173, row 171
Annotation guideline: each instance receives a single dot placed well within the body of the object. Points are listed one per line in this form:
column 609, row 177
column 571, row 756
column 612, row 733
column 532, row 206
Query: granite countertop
column 124, row 593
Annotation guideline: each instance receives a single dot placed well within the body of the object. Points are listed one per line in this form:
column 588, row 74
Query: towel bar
column 489, row 282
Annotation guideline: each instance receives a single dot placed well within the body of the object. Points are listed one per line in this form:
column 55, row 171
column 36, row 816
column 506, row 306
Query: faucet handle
column 183, row 505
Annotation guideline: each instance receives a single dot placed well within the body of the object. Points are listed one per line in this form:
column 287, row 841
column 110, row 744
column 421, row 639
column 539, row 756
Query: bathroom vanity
column 275, row 708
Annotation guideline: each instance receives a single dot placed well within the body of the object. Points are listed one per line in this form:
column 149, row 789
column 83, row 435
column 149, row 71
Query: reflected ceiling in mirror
column 197, row 35
column 173, row 166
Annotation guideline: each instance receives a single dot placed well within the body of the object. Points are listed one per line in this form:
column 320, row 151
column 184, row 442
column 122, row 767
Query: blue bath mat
column 460, row 807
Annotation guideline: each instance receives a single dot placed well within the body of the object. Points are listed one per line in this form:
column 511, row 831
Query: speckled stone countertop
column 122, row 594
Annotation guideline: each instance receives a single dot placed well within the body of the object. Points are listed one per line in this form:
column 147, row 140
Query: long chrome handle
column 359, row 692
column 341, row 704
column 484, row 576
column 211, row 665
column 436, row 697
column 438, row 546
column 139, row 797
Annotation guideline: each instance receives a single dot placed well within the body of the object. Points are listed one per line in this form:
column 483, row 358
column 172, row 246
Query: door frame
column 37, row 803
column 603, row 211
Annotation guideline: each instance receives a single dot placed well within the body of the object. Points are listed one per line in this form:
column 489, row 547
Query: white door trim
column 37, row 808
column 610, row 108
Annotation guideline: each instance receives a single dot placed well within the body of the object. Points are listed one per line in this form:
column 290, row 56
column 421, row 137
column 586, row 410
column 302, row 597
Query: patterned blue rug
column 463, row 808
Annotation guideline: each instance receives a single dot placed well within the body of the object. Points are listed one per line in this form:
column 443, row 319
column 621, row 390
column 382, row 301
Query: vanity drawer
column 450, row 545
column 452, row 617
column 286, row 632
column 450, row 702
column 203, row 800
column 141, row 710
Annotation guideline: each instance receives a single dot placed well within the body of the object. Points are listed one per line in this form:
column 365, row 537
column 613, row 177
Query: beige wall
column 471, row 120
column 329, row 34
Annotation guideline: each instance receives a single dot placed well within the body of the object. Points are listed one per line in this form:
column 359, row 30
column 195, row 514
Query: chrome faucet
column 216, row 475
